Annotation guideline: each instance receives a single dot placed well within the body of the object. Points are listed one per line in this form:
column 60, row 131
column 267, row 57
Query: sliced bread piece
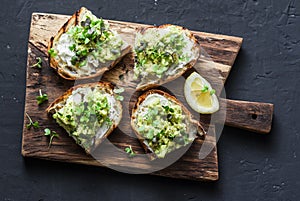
column 85, row 47
column 88, row 112
column 163, row 54
column 163, row 124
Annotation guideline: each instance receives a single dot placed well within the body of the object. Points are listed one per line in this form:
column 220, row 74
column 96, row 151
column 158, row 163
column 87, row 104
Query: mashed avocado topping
column 84, row 47
column 161, row 52
column 163, row 125
column 86, row 114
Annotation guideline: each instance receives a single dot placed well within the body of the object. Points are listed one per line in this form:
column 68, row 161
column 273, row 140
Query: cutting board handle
column 253, row 116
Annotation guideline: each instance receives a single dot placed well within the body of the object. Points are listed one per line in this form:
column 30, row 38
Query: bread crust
column 108, row 87
column 196, row 48
column 140, row 100
column 54, row 63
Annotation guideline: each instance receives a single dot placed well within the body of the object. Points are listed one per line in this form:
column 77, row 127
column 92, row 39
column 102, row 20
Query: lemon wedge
column 200, row 95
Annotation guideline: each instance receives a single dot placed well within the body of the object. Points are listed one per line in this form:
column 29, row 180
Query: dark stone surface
column 252, row 167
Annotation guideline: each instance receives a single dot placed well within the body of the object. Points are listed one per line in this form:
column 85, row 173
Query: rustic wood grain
column 252, row 116
column 222, row 49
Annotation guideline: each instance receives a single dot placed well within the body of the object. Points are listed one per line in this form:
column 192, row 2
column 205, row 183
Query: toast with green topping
column 85, row 47
column 163, row 54
column 88, row 112
column 163, row 124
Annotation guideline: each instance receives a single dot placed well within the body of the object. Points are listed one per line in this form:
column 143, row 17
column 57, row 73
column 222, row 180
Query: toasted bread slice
column 85, row 47
column 163, row 124
column 163, row 54
column 88, row 112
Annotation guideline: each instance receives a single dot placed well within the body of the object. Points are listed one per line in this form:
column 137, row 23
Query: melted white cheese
column 63, row 50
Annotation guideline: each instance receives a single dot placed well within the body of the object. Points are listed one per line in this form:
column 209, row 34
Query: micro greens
column 129, row 151
column 212, row 92
column 31, row 123
column 89, row 35
column 51, row 134
column 168, row 109
column 52, row 52
column 119, row 90
column 41, row 98
column 120, row 98
column 38, row 64
column 205, row 89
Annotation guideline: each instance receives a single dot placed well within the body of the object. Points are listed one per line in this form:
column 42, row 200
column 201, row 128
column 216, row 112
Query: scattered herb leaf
column 212, row 92
column 72, row 47
column 109, row 122
column 129, row 151
column 205, row 89
column 51, row 134
column 119, row 90
column 38, row 64
column 74, row 60
column 31, row 123
column 91, row 34
column 82, row 63
column 168, row 109
column 47, row 131
column 120, row 98
column 86, row 41
column 52, row 52
column 41, row 98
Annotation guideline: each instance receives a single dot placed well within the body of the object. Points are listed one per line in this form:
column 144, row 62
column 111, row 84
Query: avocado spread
column 86, row 114
column 161, row 52
column 84, row 47
column 163, row 125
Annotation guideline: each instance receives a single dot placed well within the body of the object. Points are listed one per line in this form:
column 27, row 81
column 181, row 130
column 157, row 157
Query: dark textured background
column 252, row 167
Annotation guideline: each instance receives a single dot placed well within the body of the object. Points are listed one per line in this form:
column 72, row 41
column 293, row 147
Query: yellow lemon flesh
column 200, row 95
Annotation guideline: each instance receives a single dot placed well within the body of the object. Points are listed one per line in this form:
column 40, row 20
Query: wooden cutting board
column 222, row 50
